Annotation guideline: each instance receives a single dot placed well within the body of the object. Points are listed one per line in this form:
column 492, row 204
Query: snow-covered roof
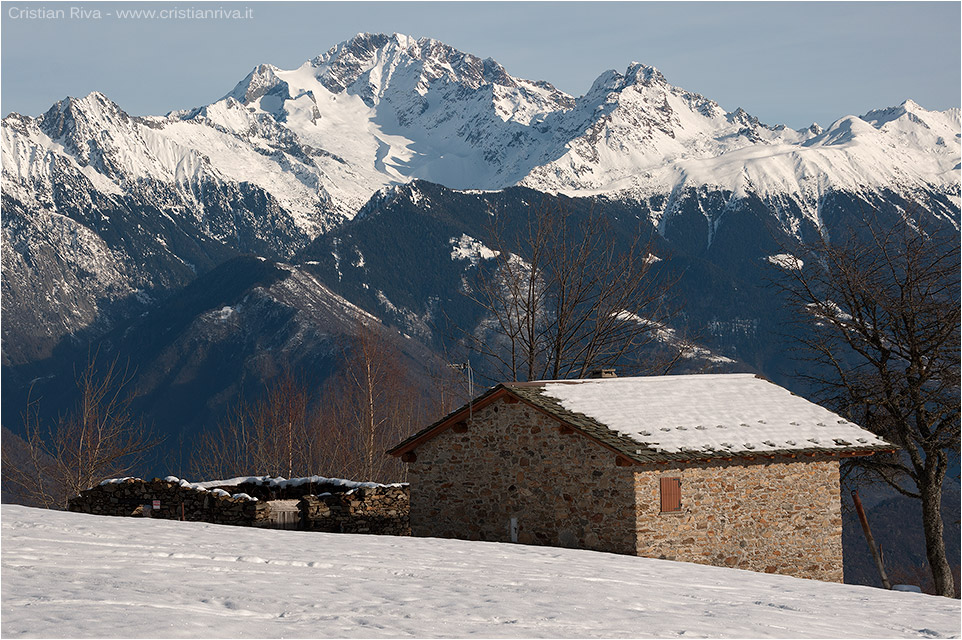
column 683, row 417
column 709, row 413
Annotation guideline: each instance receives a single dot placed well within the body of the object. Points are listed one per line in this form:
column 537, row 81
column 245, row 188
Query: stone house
column 722, row 469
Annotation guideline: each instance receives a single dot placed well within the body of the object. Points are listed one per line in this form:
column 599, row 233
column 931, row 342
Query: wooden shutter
column 670, row 495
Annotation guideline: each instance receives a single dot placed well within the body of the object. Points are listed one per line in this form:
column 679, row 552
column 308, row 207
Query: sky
column 789, row 63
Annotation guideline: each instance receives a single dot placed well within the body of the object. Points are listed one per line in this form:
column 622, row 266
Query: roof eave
column 680, row 457
column 490, row 396
column 456, row 416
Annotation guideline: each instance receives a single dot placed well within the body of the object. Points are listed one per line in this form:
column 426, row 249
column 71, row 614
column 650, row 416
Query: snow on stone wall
column 175, row 500
column 340, row 506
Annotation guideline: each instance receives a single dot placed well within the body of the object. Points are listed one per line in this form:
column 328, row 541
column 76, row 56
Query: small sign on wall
column 156, row 504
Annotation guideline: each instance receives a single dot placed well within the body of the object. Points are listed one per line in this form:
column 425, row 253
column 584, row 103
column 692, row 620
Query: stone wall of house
column 773, row 516
column 512, row 463
column 381, row 510
column 130, row 496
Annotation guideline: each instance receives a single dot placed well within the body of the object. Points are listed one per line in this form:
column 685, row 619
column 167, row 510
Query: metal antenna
column 466, row 366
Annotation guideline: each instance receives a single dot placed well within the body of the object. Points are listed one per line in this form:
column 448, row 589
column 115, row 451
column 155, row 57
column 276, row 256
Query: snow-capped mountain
column 637, row 136
column 379, row 110
column 106, row 216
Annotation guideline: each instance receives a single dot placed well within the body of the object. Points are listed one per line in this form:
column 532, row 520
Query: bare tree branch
column 562, row 297
column 99, row 439
column 880, row 316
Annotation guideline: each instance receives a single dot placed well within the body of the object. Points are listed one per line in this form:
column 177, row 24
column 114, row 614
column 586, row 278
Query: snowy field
column 73, row 575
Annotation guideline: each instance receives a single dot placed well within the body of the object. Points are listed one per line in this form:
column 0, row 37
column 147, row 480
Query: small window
column 670, row 495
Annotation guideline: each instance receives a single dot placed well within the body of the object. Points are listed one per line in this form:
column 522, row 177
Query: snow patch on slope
column 786, row 261
column 471, row 249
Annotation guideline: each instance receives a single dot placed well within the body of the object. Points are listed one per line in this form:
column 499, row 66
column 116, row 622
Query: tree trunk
column 369, row 475
column 931, row 490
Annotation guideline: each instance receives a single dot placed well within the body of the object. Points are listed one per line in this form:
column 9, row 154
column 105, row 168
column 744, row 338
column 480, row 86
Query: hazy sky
column 791, row 63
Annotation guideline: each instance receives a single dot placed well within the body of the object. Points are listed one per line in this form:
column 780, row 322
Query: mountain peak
column 912, row 114
column 640, row 73
column 262, row 79
column 92, row 99
column 381, row 55
column 363, row 45
column 95, row 106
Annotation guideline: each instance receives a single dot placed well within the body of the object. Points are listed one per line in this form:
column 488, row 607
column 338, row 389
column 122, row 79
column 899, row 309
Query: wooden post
column 876, row 552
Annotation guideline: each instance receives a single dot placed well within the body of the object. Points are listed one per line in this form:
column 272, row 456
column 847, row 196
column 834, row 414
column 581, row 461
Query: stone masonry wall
column 382, row 510
column 513, row 462
column 128, row 497
column 379, row 510
column 774, row 517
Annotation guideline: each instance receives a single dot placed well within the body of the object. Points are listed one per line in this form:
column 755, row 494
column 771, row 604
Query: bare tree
column 274, row 435
column 375, row 404
column 883, row 322
column 339, row 430
column 564, row 298
column 281, row 418
column 99, row 438
column 229, row 449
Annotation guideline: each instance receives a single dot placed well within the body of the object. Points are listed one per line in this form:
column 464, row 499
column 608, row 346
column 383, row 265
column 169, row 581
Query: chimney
column 603, row 372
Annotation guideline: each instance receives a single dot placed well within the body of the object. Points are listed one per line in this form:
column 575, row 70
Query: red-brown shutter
column 670, row 494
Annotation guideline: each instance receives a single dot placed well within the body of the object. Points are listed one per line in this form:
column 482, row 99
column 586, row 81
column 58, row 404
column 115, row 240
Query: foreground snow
column 73, row 575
